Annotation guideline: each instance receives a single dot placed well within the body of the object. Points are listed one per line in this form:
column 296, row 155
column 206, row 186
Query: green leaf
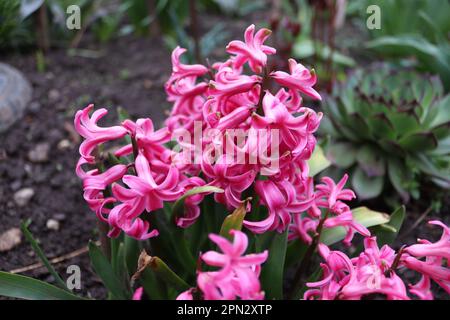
column 273, row 269
column 37, row 249
column 420, row 141
column 295, row 251
column 387, row 232
column 362, row 215
column 341, row 154
column 366, row 187
column 21, row 287
column 397, row 173
column 106, row 273
column 132, row 251
column 178, row 207
column 318, row 162
column 371, row 161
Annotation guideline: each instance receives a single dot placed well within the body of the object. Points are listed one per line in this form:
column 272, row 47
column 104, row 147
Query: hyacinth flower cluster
column 375, row 271
column 236, row 133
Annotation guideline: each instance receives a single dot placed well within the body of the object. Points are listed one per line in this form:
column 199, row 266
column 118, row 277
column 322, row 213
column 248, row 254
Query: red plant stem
column 331, row 44
column 194, row 30
column 154, row 28
column 42, row 29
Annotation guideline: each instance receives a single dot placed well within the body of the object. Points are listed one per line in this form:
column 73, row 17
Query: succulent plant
column 390, row 126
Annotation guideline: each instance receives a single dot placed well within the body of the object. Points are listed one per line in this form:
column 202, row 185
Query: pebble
column 39, row 153
column 52, row 224
column 53, row 95
column 23, row 196
column 59, row 216
column 10, row 239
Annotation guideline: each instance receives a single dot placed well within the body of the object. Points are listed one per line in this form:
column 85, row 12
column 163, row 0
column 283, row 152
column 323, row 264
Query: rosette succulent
column 389, row 126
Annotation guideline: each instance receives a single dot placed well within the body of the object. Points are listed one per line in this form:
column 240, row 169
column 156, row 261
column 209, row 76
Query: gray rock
column 15, row 95
column 10, row 239
column 39, row 153
column 23, row 196
column 52, row 224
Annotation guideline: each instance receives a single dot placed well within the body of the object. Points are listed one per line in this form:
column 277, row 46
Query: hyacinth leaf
column 362, row 215
column 386, row 233
column 318, row 162
column 37, row 249
column 160, row 269
column 233, row 222
column 120, row 266
column 132, row 250
column 295, row 252
column 153, row 286
column 178, row 207
column 398, row 176
column 106, row 273
column 173, row 249
column 273, row 269
column 22, row 287
column 341, row 154
column 370, row 161
column 419, row 141
column 366, row 187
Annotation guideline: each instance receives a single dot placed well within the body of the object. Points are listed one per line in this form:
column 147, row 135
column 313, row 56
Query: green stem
column 37, row 249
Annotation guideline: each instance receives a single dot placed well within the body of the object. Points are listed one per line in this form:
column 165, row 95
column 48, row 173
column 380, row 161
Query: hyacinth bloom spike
column 147, row 175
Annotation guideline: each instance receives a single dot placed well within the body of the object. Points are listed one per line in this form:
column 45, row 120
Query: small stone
column 59, row 217
column 35, row 107
column 53, row 95
column 23, row 196
column 39, row 153
column 64, row 144
column 15, row 185
column 10, row 239
column 52, row 224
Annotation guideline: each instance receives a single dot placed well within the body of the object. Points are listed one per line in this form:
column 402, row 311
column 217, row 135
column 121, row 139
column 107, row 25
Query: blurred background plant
column 416, row 31
column 41, row 24
column 391, row 128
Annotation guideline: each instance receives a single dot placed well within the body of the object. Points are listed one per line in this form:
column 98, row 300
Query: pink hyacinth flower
column 440, row 248
column 180, row 70
column 300, row 79
column 154, row 192
column 186, row 295
column 281, row 200
column 137, row 295
column 253, row 50
column 94, row 135
column 329, row 195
